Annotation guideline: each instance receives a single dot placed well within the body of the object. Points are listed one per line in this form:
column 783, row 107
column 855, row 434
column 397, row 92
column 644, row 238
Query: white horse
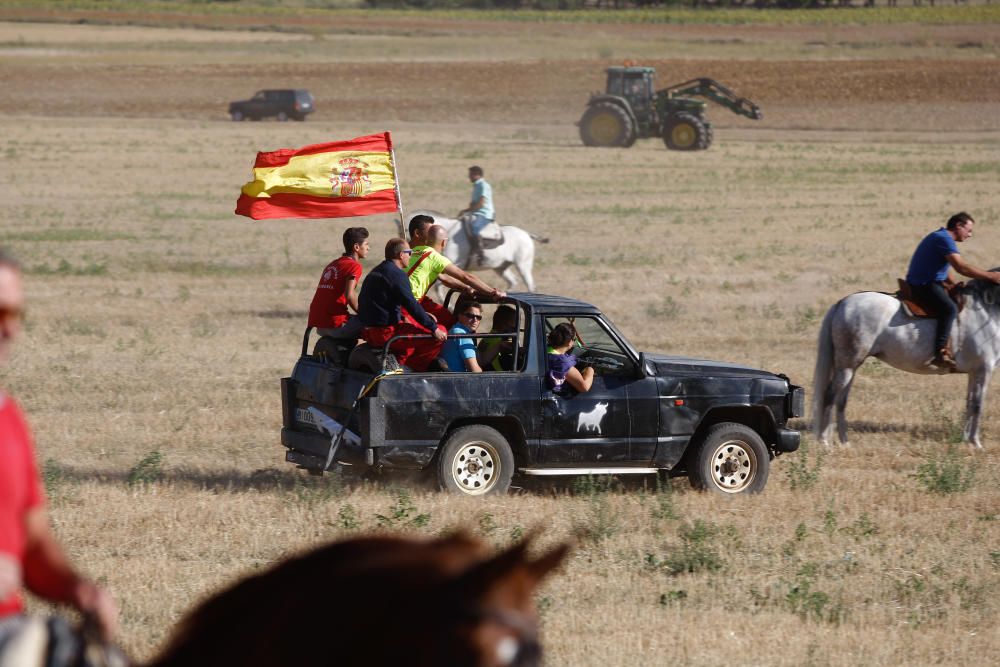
column 516, row 252
column 873, row 324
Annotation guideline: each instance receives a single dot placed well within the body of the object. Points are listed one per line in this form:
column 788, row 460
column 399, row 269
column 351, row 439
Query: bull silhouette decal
column 591, row 421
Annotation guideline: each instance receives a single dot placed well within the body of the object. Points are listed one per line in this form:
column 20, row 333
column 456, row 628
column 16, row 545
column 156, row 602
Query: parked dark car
column 282, row 104
column 718, row 423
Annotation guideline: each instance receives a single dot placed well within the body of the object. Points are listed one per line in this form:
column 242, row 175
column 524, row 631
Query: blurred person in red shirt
column 30, row 556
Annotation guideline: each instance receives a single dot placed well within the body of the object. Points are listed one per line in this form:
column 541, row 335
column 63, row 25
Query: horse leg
column 506, row 271
column 834, row 395
column 524, row 268
column 825, row 420
column 979, row 380
column 840, row 389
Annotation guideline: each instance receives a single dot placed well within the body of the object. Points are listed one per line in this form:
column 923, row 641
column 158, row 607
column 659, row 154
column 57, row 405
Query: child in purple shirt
column 562, row 364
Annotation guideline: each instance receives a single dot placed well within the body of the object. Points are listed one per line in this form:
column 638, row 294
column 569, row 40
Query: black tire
column 282, row 116
column 731, row 459
column 709, row 135
column 475, row 461
column 237, row 116
column 685, row 132
column 607, row 124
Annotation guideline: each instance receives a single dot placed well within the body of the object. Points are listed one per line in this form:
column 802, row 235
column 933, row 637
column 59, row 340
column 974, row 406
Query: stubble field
column 160, row 323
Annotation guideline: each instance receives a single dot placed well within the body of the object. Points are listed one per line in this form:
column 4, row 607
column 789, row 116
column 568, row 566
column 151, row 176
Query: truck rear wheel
column 730, row 459
column 686, row 132
column 607, row 124
column 476, row 461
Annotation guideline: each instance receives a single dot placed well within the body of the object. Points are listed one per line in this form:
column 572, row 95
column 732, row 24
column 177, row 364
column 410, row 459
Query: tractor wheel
column 607, row 124
column 686, row 132
column 709, row 135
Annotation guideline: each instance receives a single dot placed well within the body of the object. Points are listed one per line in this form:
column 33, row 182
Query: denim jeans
column 936, row 296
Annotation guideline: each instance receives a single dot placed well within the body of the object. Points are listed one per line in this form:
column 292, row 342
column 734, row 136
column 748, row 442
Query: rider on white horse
column 479, row 213
column 928, row 273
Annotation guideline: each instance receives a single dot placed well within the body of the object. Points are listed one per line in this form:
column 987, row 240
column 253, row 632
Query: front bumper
column 787, row 440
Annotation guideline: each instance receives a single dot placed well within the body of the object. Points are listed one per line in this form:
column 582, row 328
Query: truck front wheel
column 731, row 458
column 476, row 461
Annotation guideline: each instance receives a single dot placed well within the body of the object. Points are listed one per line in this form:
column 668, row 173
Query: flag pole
column 399, row 198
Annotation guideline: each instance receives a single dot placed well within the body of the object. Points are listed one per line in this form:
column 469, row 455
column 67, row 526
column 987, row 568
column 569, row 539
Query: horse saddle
column 917, row 309
column 490, row 236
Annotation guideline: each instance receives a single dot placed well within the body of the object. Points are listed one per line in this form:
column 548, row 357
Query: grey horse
column 510, row 260
column 873, row 324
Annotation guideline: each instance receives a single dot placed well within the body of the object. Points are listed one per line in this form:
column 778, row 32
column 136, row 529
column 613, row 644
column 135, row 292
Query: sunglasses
column 472, row 316
column 406, row 252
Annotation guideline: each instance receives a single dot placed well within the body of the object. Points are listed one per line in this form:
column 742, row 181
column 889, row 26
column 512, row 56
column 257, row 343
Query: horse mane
column 981, row 287
column 371, row 600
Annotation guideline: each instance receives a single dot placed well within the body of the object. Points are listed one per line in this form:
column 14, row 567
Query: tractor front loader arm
column 712, row 90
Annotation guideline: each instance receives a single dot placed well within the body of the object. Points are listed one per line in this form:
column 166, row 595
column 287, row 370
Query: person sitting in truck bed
column 497, row 354
column 337, row 290
column 384, row 295
column 460, row 353
column 561, row 364
column 428, row 264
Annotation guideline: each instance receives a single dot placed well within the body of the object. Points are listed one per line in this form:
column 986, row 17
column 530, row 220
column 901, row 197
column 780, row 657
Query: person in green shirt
column 428, row 264
column 497, row 353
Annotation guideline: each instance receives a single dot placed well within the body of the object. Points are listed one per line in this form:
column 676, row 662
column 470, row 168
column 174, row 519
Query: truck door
column 594, row 426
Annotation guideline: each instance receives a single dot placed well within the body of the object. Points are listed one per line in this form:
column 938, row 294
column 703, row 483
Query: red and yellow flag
column 339, row 179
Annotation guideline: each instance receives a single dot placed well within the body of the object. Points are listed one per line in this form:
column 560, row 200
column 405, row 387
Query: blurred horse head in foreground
column 375, row 601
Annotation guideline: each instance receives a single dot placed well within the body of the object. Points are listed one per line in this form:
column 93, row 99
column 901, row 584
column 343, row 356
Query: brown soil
column 792, row 93
column 826, row 94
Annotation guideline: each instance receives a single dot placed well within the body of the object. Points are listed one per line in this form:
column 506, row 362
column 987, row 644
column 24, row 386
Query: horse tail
column 823, row 373
column 538, row 239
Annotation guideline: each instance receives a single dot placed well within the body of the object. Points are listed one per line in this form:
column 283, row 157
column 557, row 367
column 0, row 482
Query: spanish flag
column 339, row 179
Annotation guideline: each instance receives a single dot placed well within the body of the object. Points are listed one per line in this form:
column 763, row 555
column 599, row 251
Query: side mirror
column 643, row 369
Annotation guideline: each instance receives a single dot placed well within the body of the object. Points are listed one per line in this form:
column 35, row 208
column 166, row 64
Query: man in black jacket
column 387, row 308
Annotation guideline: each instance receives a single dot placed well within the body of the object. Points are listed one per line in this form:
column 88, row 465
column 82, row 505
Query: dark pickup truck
column 718, row 423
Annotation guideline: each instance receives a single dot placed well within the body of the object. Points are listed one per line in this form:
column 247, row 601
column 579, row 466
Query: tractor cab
column 635, row 84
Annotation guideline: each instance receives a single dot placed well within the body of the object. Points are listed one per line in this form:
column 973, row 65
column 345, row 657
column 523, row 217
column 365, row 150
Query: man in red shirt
column 30, row 556
column 337, row 290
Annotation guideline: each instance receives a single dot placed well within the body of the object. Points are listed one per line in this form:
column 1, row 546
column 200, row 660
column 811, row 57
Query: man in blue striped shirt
column 387, row 308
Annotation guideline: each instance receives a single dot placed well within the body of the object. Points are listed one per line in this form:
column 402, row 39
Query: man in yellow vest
column 428, row 264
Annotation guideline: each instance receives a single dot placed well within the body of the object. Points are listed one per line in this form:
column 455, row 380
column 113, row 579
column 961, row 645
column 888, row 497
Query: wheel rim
column 683, row 135
column 605, row 128
column 734, row 466
column 476, row 468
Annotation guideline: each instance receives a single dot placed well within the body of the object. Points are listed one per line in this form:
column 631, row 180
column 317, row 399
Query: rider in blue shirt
column 479, row 212
column 929, row 270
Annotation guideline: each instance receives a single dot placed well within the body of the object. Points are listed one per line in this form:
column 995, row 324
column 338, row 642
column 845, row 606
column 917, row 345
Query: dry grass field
column 159, row 323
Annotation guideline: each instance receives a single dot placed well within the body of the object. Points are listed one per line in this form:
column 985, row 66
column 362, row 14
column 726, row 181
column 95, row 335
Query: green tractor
column 629, row 109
